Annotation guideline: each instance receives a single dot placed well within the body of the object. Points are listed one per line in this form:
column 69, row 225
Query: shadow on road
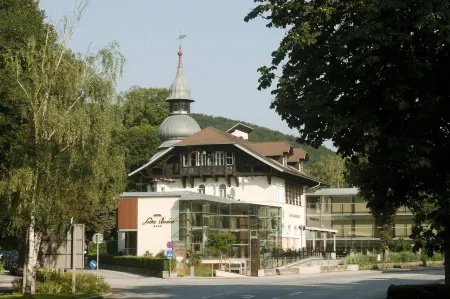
column 257, row 288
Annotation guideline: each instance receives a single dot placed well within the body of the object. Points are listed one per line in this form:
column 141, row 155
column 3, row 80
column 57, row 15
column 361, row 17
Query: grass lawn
column 52, row 296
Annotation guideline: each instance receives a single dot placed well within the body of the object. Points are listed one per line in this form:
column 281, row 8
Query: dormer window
column 201, row 189
column 300, row 167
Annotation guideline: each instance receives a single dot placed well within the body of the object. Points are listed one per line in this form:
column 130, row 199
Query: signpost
column 97, row 239
column 169, row 254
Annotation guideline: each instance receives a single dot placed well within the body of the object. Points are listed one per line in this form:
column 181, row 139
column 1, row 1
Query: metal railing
column 344, row 208
column 283, row 258
column 210, row 169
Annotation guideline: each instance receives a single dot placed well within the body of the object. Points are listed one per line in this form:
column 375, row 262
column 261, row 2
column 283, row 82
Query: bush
column 361, row 260
column 436, row 257
column 141, row 262
column 404, row 257
column 1, row 268
column 102, row 248
column 203, row 270
column 161, row 254
column 424, row 291
column 111, row 247
column 59, row 282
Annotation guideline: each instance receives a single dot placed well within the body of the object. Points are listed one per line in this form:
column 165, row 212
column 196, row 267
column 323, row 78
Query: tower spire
column 180, row 51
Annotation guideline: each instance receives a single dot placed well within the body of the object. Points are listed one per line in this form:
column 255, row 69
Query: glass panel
column 182, row 220
column 197, row 219
column 197, row 207
column 214, row 208
column 239, row 209
column 224, row 209
column 230, row 159
column 185, row 206
column 220, row 158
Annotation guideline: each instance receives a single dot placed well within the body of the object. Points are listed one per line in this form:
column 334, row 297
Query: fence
column 282, row 258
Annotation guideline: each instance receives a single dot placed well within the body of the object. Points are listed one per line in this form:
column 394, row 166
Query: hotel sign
column 158, row 221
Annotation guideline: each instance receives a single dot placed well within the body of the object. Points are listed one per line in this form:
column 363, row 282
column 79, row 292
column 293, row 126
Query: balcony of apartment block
column 208, row 170
column 370, row 231
column 345, row 209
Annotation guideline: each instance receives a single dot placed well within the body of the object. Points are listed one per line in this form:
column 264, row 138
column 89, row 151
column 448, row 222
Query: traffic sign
column 169, row 244
column 93, row 264
column 169, row 253
column 97, row 238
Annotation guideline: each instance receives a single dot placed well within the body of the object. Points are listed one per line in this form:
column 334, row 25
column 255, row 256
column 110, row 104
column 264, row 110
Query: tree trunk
column 387, row 255
column 447, row 263
column 29, row 273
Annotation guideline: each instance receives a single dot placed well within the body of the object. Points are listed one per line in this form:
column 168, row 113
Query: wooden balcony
column 207, row 170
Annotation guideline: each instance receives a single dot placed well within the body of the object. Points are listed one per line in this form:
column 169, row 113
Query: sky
column 221, row 52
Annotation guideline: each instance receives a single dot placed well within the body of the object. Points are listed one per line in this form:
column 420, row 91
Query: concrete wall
column 307, row 270
column 154, row 236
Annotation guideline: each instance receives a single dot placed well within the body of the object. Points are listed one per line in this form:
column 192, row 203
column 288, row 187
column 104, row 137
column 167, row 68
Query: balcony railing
column 344, row 208
column 370, row 231
column 207, row 170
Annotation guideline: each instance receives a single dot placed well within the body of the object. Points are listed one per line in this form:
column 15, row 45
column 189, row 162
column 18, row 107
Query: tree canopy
column 370, row 75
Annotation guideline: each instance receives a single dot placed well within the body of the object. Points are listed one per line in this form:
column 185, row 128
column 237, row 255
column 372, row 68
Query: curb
column 96, row 297
column 418, row 269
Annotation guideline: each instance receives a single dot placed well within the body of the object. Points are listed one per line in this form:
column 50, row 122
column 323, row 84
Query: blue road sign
column 93, row 264
column 169, row 253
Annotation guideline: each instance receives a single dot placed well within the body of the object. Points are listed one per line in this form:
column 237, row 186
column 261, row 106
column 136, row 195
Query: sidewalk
column 5, row 282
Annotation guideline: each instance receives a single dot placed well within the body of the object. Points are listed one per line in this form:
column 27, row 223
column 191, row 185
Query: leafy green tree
column 143, row 110
column 330, row 169
column 19, row 21
column 139, row 104
column 66, row 101
column 220, row 243
column 368, row 76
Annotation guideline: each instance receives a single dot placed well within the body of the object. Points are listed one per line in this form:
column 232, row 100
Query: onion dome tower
column 179, row 124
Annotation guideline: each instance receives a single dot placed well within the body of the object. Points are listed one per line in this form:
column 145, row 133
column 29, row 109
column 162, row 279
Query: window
column 223, row 190
column 194, row 159
column 230, row 158
column 174, row 107
column 220, row 158
column 210, row 159
column 184, row 158
column 202, row 159
column 300, row 166
column 201, row 189
column 184, row 106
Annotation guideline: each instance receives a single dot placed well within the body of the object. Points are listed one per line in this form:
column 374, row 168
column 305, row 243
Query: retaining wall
column 307, row 270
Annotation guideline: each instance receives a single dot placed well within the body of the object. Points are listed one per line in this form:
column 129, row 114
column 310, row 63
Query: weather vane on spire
column 180, row 37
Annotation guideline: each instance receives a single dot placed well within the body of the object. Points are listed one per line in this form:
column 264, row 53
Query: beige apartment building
column 343, row 210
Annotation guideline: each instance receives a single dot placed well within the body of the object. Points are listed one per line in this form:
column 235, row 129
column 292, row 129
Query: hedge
column 423, row 291
column 396, row 257
column 141, row 262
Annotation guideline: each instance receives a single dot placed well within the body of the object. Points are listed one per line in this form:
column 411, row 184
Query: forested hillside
column 261, row 134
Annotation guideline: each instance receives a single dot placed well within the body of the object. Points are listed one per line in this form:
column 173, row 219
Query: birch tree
column 67, row 159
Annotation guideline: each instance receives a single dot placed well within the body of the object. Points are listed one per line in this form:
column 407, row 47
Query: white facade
column 255, row 190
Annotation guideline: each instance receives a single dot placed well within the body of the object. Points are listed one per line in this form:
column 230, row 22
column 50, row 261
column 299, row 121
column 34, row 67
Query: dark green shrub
column 141, row 262
column 404, row 257
column 424, row 291
column 203, row 270
column 59, row 282
column 111, row 247
column 361, row 260
column 436, row 257
column 161, row 254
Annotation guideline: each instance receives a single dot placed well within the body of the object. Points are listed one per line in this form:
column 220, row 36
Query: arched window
column 201, row 189
column 289, row 229
column 223, row 190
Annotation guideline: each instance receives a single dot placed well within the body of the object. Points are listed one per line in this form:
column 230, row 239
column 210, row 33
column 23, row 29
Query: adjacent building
column 203, row 181
column 343, row 210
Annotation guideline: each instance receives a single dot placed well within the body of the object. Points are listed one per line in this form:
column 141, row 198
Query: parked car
column 15, row 268
column 8, row 259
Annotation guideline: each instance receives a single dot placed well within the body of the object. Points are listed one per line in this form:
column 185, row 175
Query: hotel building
column 203, row 181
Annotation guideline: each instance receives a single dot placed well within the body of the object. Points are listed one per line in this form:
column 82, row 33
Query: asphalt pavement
column 339, row 285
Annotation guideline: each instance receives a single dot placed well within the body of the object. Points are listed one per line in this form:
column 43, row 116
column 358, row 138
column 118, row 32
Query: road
column 342, row 285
